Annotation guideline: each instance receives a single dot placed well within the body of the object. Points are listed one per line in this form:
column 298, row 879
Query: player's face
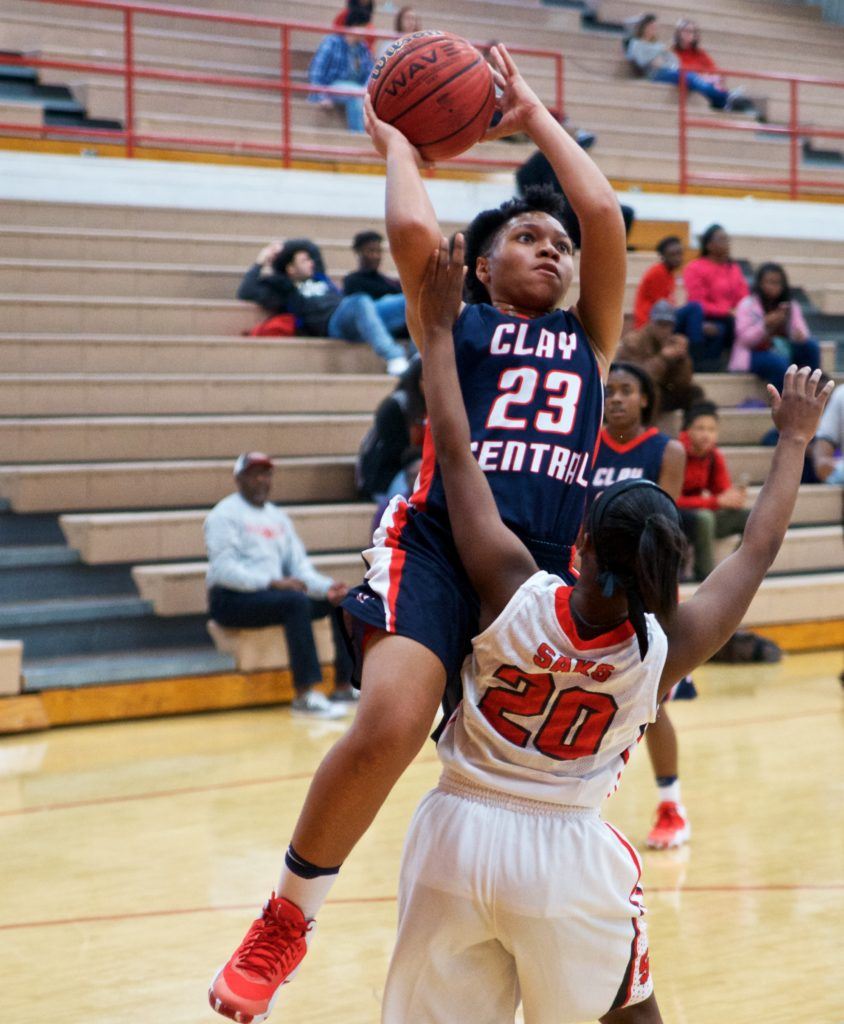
column 531, row 263
column 623, row 400
column 703, row 434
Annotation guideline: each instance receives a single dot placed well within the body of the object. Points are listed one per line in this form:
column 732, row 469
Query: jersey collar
column 562, row 606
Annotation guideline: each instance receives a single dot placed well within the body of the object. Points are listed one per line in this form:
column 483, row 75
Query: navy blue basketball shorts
column 415, row 586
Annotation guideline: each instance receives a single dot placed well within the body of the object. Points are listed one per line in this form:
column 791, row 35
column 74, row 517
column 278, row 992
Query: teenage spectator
column 294, row 285
column 343, row 61
column 405, row 22
column 657, row 63
column 664, row 354
column 771, row 330
column 715, row 281
column 368, row 246
column 260, row 575
column 391, row 450
column 709, row 505
column 537, row 170
column 828, row 449
column 660, row 282
column 692, row 55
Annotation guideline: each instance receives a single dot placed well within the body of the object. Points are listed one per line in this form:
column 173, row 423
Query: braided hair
column 639, row 545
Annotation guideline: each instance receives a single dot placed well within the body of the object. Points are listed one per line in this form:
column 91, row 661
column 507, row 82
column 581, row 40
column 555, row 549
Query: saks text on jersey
column 532, row 457
column 549, row 659
column 549, row 345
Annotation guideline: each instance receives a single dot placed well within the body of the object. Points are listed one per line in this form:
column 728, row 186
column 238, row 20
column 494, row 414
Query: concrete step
column 126, row 438
column 180, row 589
column 39, row 314
column 38, row 530
column 45, row 573
column 807, row 597
column 54, row 673
column 90, row 353
column 166, row 484
column 93, row 625
column 830, row 299
column 116, row 394
column 159, row 536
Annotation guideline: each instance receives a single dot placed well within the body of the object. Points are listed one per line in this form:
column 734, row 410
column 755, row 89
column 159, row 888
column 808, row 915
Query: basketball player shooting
column 512, row 887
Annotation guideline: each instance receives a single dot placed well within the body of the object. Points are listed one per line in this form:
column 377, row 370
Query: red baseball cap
column 249, row 459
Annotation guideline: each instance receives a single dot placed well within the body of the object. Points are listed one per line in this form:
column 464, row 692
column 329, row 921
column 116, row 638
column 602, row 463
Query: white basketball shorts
column 503, row 901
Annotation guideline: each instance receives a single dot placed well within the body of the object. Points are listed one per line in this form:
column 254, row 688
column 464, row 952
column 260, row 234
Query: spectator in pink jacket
column 717, row 283
column 771, row 331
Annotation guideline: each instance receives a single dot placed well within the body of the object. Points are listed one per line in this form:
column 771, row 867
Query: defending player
column 512, row 887
column 631, row 448
column 531, row 376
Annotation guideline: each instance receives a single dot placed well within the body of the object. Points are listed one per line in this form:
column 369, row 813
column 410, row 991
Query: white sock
column 308, row 894
column 670, row 794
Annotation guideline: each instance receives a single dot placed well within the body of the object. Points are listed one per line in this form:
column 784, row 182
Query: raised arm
column 496, row 561
column 704, row 623
column 412, row 226
column 603, row 248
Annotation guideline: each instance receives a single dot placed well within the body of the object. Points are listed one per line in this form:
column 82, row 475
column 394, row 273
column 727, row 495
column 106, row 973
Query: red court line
column 357, row 900
column 298, row 776
column 157, row 794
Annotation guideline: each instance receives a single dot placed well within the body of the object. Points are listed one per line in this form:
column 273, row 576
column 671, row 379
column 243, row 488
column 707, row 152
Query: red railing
column 133, row 69
column 793, row 181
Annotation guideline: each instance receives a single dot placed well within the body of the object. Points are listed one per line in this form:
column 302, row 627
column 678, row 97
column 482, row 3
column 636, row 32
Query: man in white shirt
column 828, row 448
column 259, row 574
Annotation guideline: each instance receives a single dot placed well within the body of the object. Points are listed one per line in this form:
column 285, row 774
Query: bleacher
column 127, row 388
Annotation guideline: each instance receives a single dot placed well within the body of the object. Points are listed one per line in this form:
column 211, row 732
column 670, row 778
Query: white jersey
column 547, row 715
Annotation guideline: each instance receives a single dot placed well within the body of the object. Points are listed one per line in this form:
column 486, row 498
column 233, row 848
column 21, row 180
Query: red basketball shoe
column 246, row 988
column 671, row 827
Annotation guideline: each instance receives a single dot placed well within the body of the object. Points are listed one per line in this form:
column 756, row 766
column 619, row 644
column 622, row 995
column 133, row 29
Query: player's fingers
column 826, row 391
column 509, row 63
column 801, row 382
column 812, row 383
column 788, row 381
column 774, row 396
column 458, row 255
column 499, row 64
column 498, row 78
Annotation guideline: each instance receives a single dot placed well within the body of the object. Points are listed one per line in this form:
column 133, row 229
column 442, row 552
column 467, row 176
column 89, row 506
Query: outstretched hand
column 797, row 412
column 441, row 290
column 516, row 102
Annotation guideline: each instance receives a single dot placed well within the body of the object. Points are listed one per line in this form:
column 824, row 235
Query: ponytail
column 640, row 546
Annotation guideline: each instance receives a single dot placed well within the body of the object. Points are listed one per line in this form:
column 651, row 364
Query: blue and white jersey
column 535, row 400
column 639, row 459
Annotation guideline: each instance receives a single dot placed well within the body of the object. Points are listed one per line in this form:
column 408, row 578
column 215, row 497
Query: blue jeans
column 707, row 356
column 294, row 612
column 688, row 320
column 717, row 97
column 353, row 104
column 771, row 365
column 359, row 317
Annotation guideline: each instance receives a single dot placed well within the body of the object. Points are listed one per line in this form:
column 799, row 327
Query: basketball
column 437, row 89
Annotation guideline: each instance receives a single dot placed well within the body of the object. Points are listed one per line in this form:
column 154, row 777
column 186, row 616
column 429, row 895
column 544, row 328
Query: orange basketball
column 437, row 90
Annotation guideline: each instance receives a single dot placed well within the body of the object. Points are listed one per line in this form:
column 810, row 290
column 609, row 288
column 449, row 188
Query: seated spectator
column 664, row 354
column 660, row 282
column 716, row 282
column 256, row 288
column 343, row 61
column 828, row 448
column 405, row 22
column 710, row 506
column 292, row 284
column 694, row 58
column 368, row 246
column 260, row 575
column 657, row 63
column 390, row 453
column 537, row 170
column 771, row 332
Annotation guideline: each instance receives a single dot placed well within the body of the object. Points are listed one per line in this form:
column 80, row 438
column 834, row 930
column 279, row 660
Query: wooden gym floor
column 133, row 856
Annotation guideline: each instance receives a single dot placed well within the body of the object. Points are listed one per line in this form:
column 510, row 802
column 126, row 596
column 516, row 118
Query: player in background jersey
column 512, row 887
column 531, row 376
column 631, row 448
